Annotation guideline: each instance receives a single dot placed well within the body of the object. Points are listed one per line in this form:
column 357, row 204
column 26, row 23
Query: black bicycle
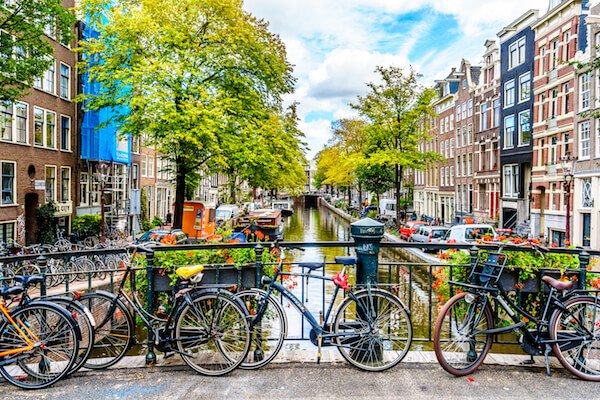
column 569, row 324
column 207, row 326
column 371, row 328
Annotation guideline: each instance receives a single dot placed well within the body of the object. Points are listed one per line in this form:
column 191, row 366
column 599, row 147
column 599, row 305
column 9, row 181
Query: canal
column 309, row 224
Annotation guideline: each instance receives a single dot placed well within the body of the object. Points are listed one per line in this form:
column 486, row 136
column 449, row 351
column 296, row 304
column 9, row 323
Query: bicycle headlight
column 470, row 298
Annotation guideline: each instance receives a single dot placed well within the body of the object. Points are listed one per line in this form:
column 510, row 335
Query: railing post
column 474, row 252
column 150, row 354
column 367, row 235
column 258, row 250
column 42, row 263
column 584, row 260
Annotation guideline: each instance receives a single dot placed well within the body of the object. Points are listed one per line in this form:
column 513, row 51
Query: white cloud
column 335, row 45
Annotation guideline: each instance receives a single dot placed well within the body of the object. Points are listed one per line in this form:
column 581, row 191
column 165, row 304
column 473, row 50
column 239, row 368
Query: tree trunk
column 349, row 195
column 232, row 187
column 179, row 194
column 360, row 199
column 397, row 183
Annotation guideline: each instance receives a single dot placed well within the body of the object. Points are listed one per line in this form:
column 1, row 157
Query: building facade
column 38, row 147
column 559, row 35
column 486, row 179
column 517, row 49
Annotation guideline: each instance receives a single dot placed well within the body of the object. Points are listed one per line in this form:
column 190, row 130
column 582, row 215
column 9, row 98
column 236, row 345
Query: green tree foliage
column 193, row 76
column 25, row 51
column 396, row 109
column 375, row 178
column 46, row 223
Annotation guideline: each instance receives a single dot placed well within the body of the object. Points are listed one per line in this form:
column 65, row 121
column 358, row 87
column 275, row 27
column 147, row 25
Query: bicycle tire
column 452, row 332
column 114, row 333
column 581, row 310
column 212, row 333
column 273, row 323
column 388, row 326
column 54, row 352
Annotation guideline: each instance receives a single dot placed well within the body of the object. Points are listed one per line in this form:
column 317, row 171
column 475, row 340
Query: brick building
column 38, row 147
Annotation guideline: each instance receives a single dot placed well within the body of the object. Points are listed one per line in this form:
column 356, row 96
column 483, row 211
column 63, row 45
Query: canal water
column 309, row 224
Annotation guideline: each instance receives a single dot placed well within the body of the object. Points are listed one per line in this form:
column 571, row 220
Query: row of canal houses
column 520, row 134
column 52, row 149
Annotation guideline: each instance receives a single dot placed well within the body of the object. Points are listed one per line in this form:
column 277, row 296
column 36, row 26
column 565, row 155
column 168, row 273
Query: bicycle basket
column 488, row 269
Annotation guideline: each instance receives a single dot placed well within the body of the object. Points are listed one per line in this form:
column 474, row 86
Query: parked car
column 226, row 212
column 429, row 234
column 409, row 228
column 156, row 235
column 464, row 234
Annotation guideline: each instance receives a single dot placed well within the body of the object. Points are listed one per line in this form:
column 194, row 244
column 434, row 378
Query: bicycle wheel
column 459, row 348
column 376, row 328
column 577, row 332
column 113, row 332
column 268, row 334
column 85, row 320
column 212, row 333
column 53, row 353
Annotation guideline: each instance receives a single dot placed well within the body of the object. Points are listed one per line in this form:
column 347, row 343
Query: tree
column 375, row 178
column 397, row 110
column 186, row 73
column 25, row 52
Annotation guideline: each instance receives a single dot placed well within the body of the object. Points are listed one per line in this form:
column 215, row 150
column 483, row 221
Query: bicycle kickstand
column 547, row 355
column 319, row 343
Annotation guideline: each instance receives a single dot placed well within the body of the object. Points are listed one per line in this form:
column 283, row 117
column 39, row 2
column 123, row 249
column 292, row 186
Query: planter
column 244, row 277
column 510, row 279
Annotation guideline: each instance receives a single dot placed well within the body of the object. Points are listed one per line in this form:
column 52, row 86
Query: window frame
column 524, row 79
column 587, row 140
column 54, row 188
column 509, row 87
column 520, row 141
column 62, row 187
column 62, row 147
column 585, row 91
column 14, row 184
column 68, row 86
column 506, row 143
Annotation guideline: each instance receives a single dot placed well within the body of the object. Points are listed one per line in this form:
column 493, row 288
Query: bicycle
column 39, row 342
column 206, row 325
column 569, row 325
column 371, row 327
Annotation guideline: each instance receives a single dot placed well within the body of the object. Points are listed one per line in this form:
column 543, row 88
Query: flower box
column 244, row 277
column 510, row 279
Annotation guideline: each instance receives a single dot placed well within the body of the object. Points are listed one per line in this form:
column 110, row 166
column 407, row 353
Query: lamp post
column 567, row 163
column 102, row 175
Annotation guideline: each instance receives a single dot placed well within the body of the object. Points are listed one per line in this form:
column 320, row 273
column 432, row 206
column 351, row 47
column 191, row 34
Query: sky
column 335, row 45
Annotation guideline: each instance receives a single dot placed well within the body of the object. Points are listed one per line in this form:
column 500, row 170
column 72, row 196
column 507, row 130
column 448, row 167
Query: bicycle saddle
column 346, row 260
column 311, row 265
column 193, row 272
column 559, row 285
column 30, row 280
column 11, row 291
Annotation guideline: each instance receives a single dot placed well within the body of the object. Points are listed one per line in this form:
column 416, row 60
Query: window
column 554, row 55
column 21, row 123
column 470, row 134
column 150, row 166
column 516, row 53
column 586, row 186
column 524, row 128
column 135, row 144
column 464, row 136
column 509, row 131
column 451, row 121
column 84, row 188
column 135, row 179
column 443, row 176
column 484, row 111
column 8, row 183
column 49, row 78
column 509, row 93
column 584, row 140
column 566, row 103
column 65, row 133
column 470, row 165
column 524, row 87
column 7, row 232
column 464, row 110
column 470, row 108
column 65, row 184
column 144, row 165
column 511, row 180
column 44, row 128
column 65, row 81
column 6, row 120
column 49, row 28
column 452, row 145
column 598, row 138
column 553, row 156
column 542, row 59
column 451, row 175
column 50, row 129
column 496, row 112
column 566, row 46
column 584, row 92
column 542, row 109
column 458, row 113
column 50, row 184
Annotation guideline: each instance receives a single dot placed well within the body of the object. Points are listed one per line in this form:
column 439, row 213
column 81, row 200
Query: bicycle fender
column 65, row 313
column 70, row 300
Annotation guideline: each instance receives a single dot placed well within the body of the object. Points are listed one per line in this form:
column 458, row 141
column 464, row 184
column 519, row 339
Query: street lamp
column 567, row 162
column 102, row 169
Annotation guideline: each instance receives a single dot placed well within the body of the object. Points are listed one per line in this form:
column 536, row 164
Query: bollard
column 42, row 263
column 584, row 260
column 367, row 235
column 150, row 354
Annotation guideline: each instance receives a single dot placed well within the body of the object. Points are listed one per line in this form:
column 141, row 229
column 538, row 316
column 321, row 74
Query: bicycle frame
column 30, row 340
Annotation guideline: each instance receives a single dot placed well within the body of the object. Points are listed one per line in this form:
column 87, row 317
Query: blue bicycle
column 371, row 327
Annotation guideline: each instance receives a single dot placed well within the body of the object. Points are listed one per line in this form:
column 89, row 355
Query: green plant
column 156, row 221
column 372, row 214
column 87, row 225
column 46, row 223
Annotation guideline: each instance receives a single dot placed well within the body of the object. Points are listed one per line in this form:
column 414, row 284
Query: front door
column 31, row 206
column 586, row 229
